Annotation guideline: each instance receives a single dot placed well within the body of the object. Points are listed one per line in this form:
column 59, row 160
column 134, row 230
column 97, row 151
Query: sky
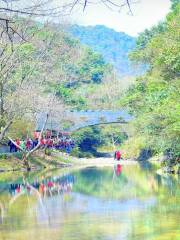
column 146, row 13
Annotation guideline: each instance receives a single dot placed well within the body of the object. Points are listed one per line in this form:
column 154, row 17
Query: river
column 130, row 202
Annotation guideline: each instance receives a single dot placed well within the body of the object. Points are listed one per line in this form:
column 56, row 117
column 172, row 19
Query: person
column 22, row 145
column 49, row 143
column 68, row 147
column 12, row 146
column 117, row 155
column 34, row 142
column 18, row 144
column 28, row 144
column 43, row 142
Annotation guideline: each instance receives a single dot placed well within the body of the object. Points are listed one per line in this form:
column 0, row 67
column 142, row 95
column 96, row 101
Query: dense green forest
column 153, row 99
column 114, row 46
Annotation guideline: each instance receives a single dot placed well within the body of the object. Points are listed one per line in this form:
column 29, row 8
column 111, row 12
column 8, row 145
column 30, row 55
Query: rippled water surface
column 121, row 202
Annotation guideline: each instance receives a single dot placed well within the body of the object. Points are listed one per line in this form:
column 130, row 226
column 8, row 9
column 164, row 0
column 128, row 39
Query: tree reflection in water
column 89, row 204
column 40, row 188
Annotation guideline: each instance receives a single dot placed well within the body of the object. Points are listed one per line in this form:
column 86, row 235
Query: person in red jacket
column 43, row 142
column 117, row 155
column 18, row 144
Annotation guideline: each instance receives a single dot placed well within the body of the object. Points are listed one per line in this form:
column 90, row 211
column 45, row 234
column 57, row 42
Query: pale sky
column 146, row 13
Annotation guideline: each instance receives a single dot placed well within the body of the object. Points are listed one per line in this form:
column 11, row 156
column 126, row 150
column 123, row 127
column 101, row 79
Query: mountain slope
column 114, row 46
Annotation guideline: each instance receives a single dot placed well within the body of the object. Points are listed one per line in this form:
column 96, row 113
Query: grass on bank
column 39, row 160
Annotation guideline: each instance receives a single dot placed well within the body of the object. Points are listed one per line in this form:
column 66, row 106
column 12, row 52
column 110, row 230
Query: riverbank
column 100, row 162
column 38, row 161
column 55, row 160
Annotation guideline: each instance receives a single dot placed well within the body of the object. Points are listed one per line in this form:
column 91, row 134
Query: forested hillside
column 114, row 46
column 40, row 72
column 154, row 98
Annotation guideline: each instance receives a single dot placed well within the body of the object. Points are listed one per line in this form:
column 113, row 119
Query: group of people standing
column 66, row 144
column 18, row 145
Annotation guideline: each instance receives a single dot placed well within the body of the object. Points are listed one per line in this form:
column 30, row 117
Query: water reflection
column 45, row 186
column 123, row 202
column 118, row 169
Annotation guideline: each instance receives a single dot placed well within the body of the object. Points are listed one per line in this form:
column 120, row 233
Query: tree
column 25, row 74
column 174, row 3
column 18, row 87
column 153, row 99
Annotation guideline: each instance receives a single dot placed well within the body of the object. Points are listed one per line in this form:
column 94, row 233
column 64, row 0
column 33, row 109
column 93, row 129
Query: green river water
column 128, row 202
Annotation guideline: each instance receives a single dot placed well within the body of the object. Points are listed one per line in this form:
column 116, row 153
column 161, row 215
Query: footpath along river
column 117, row 202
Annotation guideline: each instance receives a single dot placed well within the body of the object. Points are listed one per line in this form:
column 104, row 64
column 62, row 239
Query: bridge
column 82, row 119
column 102, row 117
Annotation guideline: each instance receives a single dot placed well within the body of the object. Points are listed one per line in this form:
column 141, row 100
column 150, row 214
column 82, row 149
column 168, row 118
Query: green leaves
column 92, row 66
column 154, row 99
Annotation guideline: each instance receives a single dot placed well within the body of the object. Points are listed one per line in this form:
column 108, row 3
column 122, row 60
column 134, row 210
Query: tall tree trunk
column 5, row 129
column 112, row 139
column 26, row 162
column 1, row 101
